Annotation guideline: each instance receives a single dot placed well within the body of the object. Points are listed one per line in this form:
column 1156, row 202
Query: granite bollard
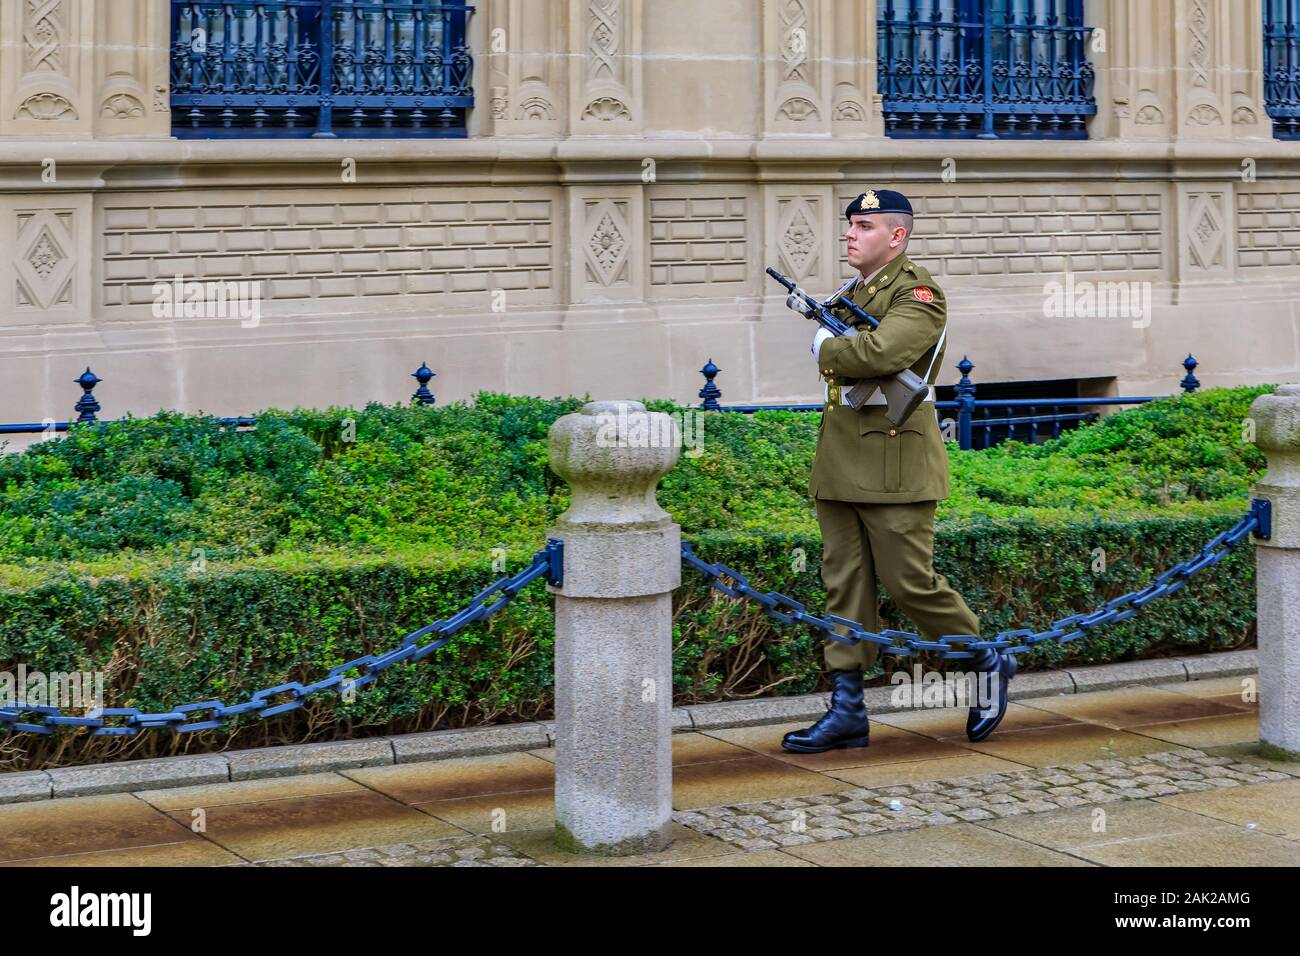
column 1277, row 571
column 613, row 630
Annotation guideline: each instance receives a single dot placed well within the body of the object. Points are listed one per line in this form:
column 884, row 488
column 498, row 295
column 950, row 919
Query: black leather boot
column 981, row 722
column 844, row 725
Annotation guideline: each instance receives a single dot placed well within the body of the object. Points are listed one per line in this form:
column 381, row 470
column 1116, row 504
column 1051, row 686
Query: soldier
column 875, row 484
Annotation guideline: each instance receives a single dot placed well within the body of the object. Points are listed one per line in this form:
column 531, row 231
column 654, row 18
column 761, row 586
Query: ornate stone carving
column 606, row 108
column 122, row 106
column 608, row 238
column 850, row 111
column 45, row 106
column 43, row 267
column 1198, row 52
column 44, row 36
column 1205, row 237
column 1204, row 114
column 605, row 86
column 603, row 33
column 1149, row 115
column 794, row 42
column 797, row 108
column 500, row 102
column 535, row 108
column 797, row 237
column 160, row 98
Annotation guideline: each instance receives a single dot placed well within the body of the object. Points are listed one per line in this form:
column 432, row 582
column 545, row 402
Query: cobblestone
column 455, row 851
column 860, row 810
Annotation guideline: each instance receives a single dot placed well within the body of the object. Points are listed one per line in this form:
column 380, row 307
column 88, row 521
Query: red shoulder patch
column 923, row 294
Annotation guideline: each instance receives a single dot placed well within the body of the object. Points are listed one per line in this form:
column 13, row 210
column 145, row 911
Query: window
column 298, row 68
column 1282, row 66
column 984, row 68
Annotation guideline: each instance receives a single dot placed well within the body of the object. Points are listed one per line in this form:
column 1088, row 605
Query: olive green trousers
column 895, row 542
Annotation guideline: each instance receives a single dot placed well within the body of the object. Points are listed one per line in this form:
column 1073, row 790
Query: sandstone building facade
column 602, row 221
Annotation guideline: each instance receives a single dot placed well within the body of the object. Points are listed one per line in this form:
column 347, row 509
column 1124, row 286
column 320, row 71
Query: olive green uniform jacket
column 860, row 455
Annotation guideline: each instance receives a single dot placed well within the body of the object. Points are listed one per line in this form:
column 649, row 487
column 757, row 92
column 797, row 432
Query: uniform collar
column 886, row 273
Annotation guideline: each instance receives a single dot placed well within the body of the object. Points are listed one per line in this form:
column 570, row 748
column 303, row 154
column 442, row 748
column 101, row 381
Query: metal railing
column 984, row 68
column 293, row 68
column 1282, row 66
column 88, row 407
column 999, row 419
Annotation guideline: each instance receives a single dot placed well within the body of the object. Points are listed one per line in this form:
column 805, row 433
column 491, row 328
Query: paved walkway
column 1165, row 775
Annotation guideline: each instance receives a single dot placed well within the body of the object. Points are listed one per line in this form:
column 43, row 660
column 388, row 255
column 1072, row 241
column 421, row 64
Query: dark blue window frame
column 989, row 69
column 298, row 68
column 1282, row 66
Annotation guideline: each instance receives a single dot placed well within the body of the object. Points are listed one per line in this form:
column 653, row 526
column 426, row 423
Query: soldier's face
column 870, row 242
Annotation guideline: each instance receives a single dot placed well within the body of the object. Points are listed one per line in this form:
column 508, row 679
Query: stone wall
column 631, row 168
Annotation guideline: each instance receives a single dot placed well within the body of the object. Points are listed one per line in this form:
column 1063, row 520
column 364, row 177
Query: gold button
column 893, row 432
column 871, row 290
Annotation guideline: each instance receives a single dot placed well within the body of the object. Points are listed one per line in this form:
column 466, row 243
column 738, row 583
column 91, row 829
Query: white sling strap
column 937, row 346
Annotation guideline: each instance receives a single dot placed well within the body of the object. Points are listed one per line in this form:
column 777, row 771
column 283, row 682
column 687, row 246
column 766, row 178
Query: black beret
column 878, row 200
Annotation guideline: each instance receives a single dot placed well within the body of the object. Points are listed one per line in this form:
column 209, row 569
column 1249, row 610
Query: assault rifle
column 903, row 391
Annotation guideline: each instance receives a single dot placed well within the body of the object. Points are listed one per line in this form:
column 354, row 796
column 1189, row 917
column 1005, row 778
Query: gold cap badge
column 869, row 200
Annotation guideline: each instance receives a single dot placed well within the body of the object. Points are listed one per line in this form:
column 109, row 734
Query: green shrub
column 188, row 561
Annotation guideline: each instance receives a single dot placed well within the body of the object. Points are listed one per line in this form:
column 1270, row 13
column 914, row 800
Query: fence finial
column 710, row 392
column 1189, row 383
column 87, row 405
column 422, row 394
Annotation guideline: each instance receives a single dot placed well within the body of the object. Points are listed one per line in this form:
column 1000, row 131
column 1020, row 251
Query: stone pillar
column 1277, row 570
column 613, row 630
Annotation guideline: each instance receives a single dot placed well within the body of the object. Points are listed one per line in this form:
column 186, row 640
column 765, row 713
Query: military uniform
column 876, row 485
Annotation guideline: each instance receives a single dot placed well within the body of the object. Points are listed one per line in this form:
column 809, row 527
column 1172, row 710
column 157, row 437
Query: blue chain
column 128, row 721
column 903, row 643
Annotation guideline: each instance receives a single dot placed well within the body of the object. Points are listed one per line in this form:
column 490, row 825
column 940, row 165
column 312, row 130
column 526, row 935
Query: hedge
column 189, row 562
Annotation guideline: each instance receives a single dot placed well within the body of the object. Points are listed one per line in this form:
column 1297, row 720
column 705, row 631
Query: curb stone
column 160, row 773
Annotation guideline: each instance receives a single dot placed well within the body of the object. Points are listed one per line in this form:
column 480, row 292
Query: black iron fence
column 292, row 68
column 979, row 423
column 88, row 407
column 975, row 422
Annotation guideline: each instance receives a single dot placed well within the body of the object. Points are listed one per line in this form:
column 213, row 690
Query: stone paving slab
column 1081, row 827
column 1222, row 847
column 186, row 853
column 83, row 825
column 248, row 791
column 1127, row 707
column 960, row 844
column 458, row 777
column 1271, row 807
column 1235, row 728
column 304, row 826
